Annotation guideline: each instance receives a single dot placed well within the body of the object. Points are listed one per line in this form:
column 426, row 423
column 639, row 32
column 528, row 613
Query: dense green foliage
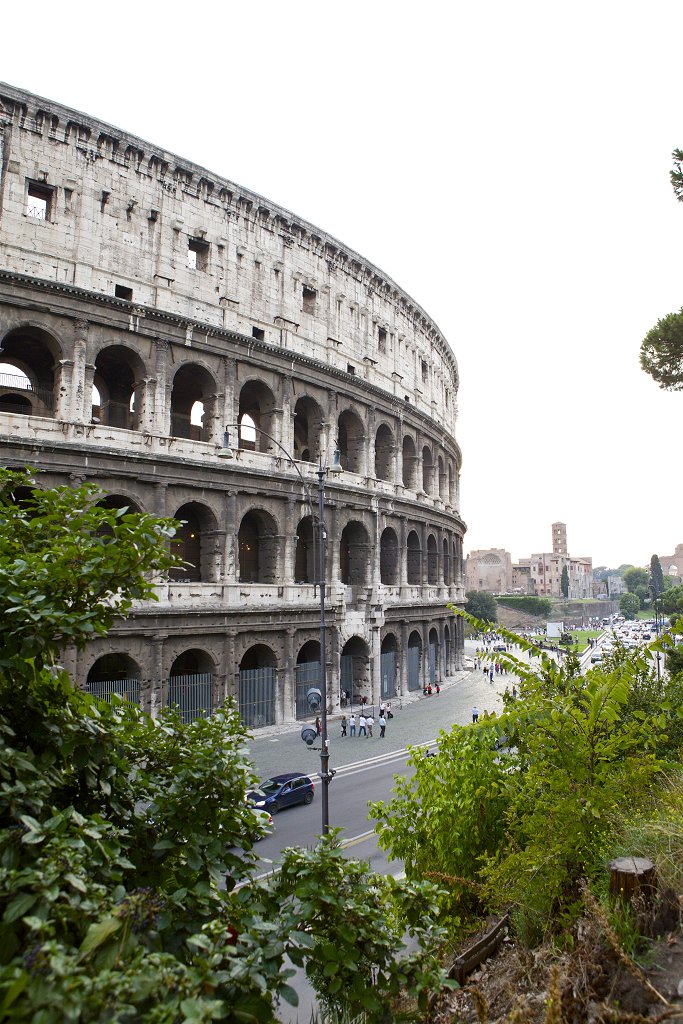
column 661, row 352
column 481, row 605
column 540, row 606
column 564, row 581
column 522, row 826
column 629, row 605
column 656, row 576
column 636, row 577
column 126, row 862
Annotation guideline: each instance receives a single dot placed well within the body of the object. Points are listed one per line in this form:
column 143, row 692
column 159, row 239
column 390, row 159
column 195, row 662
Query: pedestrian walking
column 318, row 726
column 362, row 731
column 438, row 689
column 352, row 725
column 343, row 725
column 369, row 722
column 491, row 674
column 475, row 714
column 382, row 722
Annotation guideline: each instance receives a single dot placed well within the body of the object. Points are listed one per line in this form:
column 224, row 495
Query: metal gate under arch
column 256, row 697
column 129, row 689
column 432, row 663
column 414, row 668
column 307, row 675
column 388, row 673
column 192, row 695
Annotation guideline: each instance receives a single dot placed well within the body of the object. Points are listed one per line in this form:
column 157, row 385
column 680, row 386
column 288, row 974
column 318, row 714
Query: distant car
column 500, row 647
column 283, row 791
column 596, row 658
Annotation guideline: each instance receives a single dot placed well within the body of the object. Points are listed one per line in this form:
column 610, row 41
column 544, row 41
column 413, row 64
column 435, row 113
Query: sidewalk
column 417, row 719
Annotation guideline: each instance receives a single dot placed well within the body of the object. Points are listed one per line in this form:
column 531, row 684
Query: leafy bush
column 540, row 606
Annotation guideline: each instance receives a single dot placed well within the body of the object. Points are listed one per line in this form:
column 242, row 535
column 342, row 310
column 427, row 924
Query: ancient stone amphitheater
column 156, row 318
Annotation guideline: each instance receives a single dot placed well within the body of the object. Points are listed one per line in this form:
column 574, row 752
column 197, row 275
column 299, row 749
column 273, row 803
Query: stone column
column 287, row 711
column 158, row 694
column 286, row 429
column 77, row 407
column 424, row 560
column 289, row 542
column 403, row 552
column 162, row 410
column 229, row 414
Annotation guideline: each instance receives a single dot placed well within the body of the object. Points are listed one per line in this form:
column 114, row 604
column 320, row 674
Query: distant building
column 541, row 574
column 672, row 565
column 489, row 570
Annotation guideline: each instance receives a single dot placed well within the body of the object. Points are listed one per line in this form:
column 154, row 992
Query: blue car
column 283, row 791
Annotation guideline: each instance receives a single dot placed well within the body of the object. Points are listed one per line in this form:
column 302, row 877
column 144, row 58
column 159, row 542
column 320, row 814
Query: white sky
column 507, row 163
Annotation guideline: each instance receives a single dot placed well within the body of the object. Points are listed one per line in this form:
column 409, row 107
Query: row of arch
column 268, row 691
column 123, row 392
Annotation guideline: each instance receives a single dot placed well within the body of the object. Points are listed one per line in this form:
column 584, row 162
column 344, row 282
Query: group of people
column 366, row 722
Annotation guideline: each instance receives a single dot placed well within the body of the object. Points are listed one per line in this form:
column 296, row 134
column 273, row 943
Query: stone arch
column 384, row 452
column 442, row 478
column 451, row 488
column 409, row 463
column 350, row 441
column 305, row 568
column 190, row 684
column 114, row 673
column 414, row 559
column 354, row 554
column 427, row 470
column 308, row 421
column 432, row 560
column 256, row 695
column 414, row 659
column 433, row 655
column 389, row 666
column 257, row 541
column 389, row 557
column 29, row 361
column 446, row 561
column 193, row 398
column 118, row 380
column 118, row 501
column 256, row 417
column 447, row 649
column 355, row 669
column 307, row 675
column 194, row 542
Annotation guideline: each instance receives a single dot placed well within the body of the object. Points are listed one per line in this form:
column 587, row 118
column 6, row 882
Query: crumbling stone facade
column 151, row 313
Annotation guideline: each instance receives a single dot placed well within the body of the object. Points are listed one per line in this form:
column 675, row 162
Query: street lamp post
column 326, row 773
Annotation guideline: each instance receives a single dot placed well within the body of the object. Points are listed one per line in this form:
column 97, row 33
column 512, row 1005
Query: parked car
column 596, row 658
column 283, row 791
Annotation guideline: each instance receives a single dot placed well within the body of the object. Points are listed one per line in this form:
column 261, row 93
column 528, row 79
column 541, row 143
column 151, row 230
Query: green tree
column 656, row 576
column 629, row 605
column 661, row 352
column 564, row 581
column 481, row 605
column 635, row 577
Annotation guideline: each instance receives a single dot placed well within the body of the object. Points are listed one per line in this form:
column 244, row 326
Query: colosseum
column 200, row 352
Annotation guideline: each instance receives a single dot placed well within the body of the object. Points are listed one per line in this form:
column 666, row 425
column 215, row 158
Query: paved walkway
column 417, row 719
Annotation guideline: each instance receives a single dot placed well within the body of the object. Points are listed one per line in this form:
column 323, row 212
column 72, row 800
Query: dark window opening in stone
column 432, row 560
column 446, row 562
column 304, row 560
column 384, row 453
column 117, row 388
column 258, row 333
column 256, row 417
column 198, row 254
column 190, row 685
column 425, row 371
column 307, row 430
column 114, row 673
column 427, row 471
column 350, row 441
column 39, row 201
column 308, row 299
column 257, row 548
column 193, row 400
column 355, row 665
column 381, row 339
column 121, row 292
column 388, row 558
column 442, row 478
column 258, row 656
column 353, row 555
column 409, row 463
column 28, row 372
column 188, row 545
column 350, row 368
column 414, row 559
column 115, row 502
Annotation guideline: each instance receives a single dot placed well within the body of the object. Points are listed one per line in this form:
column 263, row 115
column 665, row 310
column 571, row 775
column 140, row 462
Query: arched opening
column 190, row 685
column 384, row 453
column 388, row 557
column 442, row 478
column 353, row 555
column 451, row 488
column 350, row 440
column 354, row 666
column 447, row 650
column 304, row 559
column 427, row 470
column 409, row 463
column 115, row 503
column 414, row 559
column 454, row 562
column 446, row 561
column 433, row 656
column 432, row 560
column 414, row 661
column 193, row 542
column 256, row 693
column 194, row 389
column 307, row 676
column 30, row 357
column 307, row 428
column 117, row 388
column 389, row 667
column 258, row 548
column 114, row 673
column 256, row 417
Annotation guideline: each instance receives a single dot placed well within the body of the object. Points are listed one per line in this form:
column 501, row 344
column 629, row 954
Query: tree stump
column 630, row 877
